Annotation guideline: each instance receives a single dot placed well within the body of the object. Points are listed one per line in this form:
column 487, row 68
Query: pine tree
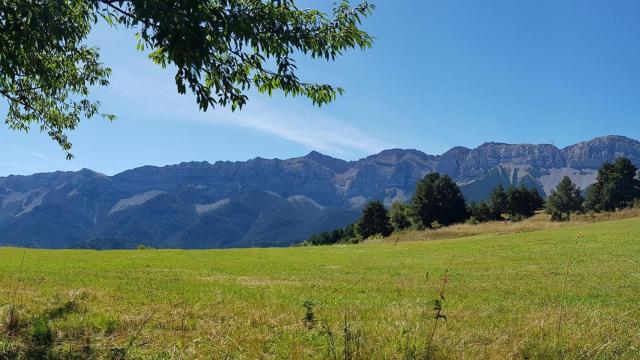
column 616, row 186
column 523, row 202
column 374, row 220
column 438, row 199
column 536, row 202
column 499, row 202
column 564, row 200
column 398, row 216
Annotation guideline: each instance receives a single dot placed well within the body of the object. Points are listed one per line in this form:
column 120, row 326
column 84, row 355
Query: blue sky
column 440, row 74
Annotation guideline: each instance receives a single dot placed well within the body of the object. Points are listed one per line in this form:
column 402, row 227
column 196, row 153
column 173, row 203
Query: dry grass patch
column 540, row 221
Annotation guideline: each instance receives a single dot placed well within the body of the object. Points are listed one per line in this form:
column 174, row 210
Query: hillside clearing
column 543, row 294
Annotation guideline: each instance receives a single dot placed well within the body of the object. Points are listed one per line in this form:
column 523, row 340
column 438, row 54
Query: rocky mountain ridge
column 266, row 202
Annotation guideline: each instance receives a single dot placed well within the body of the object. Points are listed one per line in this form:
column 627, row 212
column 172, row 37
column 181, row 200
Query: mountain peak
column 591, row 153
column 493, row 143
column 314, row 155
column 336, row 165
column 612, row 138
column 396, row 154
column 457, row 150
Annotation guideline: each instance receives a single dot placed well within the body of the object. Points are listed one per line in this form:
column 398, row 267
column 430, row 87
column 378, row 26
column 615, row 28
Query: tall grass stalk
column 565, row 285
column 438, row 310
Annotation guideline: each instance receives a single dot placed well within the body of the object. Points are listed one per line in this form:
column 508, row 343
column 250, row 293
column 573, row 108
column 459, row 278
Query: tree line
column 616, row 187
column 438, row 201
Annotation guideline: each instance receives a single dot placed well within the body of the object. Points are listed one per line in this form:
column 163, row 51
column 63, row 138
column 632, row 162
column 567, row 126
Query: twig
column 137, row 334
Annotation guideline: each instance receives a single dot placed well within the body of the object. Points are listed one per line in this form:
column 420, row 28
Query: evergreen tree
column 593, row 199
column 325, row 238
column 616, row 186
column 523, row 202
column 499, row 203
column 564, row 200
column 344, row 235
column 398, row 216
column 349, row 234
column 438, row 199
column 374, row 220
column 536, row 202
column 481, row 212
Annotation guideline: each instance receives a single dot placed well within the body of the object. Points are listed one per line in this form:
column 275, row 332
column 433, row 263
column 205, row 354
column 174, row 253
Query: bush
column 481, row 212
column 472, row 221
column 557, row 216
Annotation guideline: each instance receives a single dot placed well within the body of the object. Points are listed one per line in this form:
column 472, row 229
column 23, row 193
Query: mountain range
column 267, row 202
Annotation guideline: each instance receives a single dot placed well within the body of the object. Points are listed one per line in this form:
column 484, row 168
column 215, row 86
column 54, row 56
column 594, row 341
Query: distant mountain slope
column 264, row 202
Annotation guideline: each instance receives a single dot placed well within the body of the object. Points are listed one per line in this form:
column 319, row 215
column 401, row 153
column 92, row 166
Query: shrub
column 472, row 221
column 481, row 212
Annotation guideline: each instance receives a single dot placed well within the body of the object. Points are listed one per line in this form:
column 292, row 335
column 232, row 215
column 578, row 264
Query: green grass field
column 547, row 294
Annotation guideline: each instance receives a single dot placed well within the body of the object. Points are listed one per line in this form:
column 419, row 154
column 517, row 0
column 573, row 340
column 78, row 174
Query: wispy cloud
column 314, row 130
column 25, row 151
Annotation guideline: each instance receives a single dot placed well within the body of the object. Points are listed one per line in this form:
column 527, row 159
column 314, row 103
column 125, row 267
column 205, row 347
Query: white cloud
column 314, row 131
column 156, row 97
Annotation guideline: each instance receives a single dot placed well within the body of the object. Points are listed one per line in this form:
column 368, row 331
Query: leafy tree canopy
column 220, row 48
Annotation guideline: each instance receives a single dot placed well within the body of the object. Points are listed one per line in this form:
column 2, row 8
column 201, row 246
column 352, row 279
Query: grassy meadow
column 569, row 291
